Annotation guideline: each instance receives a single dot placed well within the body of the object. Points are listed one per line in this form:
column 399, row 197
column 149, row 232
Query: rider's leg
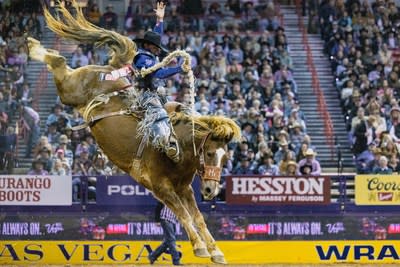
column 157, row 126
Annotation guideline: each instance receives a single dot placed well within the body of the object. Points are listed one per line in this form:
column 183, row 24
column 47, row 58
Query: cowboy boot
column 172, row 150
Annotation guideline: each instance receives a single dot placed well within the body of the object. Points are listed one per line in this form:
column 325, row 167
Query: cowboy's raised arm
column 160, row 12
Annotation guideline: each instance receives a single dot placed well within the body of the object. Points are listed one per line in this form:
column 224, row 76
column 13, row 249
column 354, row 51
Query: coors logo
column 278, row 190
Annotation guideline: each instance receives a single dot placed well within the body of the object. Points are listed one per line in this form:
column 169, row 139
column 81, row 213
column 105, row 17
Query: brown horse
column 201, row 138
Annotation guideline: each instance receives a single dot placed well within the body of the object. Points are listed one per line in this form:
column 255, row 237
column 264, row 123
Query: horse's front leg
column 167, row 195
column 190, row 204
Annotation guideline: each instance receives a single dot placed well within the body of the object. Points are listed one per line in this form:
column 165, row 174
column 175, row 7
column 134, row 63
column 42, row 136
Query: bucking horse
column 107, row 109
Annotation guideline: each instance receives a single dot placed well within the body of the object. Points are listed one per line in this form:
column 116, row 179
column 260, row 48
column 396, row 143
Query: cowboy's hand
column 160, row 11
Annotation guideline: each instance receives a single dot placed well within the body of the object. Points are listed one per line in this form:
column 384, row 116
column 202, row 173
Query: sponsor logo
column 335, row 228
column 295, row 228
column 20, row 228
column 35, row 190
column 127, row 190
column 357, row 252
column 257, row 228
column 117, row 229
column 54, row 228
column 385, row 196
column 394, row 228
column 376, row 184
column 269, row 190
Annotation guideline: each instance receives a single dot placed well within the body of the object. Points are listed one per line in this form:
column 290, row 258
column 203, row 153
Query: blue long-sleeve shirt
column 145, row 59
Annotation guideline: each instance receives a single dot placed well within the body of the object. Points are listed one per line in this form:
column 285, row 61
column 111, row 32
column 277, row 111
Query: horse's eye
column 210, row 154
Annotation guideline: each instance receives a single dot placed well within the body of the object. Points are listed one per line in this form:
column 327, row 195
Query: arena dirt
column 214, row 265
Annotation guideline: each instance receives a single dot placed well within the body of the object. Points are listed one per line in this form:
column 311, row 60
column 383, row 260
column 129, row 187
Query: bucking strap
column 91, row 119
column 116, row 74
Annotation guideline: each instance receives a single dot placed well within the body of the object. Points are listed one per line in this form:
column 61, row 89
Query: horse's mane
column 79, row 29
column 221, row 128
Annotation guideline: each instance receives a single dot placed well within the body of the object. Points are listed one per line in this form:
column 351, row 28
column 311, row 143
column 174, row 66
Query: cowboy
column 156, row 124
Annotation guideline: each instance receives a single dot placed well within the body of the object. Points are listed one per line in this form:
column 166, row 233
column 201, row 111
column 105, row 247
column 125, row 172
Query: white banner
column 33, row 190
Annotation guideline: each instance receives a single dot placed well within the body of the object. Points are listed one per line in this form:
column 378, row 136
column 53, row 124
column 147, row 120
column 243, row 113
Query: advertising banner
column 255, row 252
column 122, row 190
column 222, row 227
column 377, row 189
column 265, row 190
column 33, row 190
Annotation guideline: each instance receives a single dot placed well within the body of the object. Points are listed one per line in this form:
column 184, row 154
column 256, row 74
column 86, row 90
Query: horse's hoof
column 201, row 253
column 219, row 259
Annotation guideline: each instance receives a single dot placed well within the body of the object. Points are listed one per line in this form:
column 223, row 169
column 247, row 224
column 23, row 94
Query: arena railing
column 321, row 104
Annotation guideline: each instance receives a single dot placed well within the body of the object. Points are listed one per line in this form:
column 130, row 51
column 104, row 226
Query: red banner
column 265, row 190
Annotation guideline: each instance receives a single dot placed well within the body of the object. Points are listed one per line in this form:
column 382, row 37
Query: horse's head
column 213, row 154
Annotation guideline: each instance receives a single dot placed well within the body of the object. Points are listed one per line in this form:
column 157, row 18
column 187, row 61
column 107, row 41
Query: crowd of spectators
column 15, row 90
column 246, row 74
column 363, row 43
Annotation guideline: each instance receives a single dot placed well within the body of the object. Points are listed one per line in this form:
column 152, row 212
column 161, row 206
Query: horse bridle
column 207, row 172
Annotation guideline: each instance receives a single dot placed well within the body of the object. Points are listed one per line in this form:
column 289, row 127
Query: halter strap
column 201, row 150
column 207, row 172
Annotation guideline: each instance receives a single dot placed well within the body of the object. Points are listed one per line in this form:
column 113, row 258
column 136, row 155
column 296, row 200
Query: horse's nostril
column 208, row 190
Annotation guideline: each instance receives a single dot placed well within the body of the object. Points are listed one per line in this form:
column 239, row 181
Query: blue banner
column 122, row 190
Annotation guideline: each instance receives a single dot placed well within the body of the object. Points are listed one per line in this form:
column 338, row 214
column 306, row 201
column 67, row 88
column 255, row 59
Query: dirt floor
column 229, row 265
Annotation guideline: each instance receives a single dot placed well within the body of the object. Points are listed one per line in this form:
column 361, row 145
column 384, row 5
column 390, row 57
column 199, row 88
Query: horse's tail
column 76, row 27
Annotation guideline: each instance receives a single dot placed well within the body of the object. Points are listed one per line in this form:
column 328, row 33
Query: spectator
column 64, row 146
column 26, row 94
column 76, row 119
column 45, row 156
column 387, row 146
column 31, row 121
column 267, row 166
column 37, row 168
column 99, row 166
column 364, row 134
column 296, row 136
column 55, row 115
column 244, row 167
column 382, row 168
column 94, row 15
column 58, row 168
column 42, row 142
column 79, row 59
column 8, row 143
column 394, row 164
column 109, row 20
column 52, row 134
column 66, row 162
column 364, row 159
column 82, row 162
column 394, row 129
column 283, row 150
column 290, row 169
column 309, row 165
column 287, row 157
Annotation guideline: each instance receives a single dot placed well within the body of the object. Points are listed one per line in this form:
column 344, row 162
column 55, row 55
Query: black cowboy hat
column 152, row 38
